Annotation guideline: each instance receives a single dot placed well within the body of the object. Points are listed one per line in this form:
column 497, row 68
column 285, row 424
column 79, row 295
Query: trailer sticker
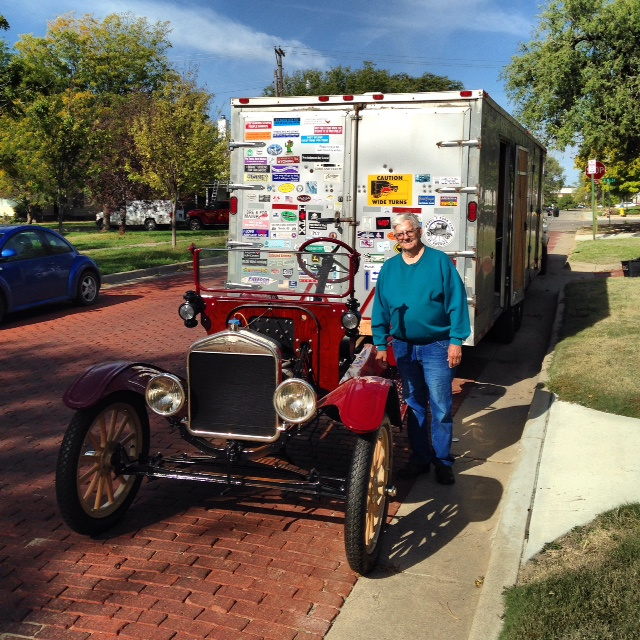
column 257, row 168
column 383, row 246
column 277, row 244
column 365, row 243
column 255, row 233
column 264, row 198
column 448, row 201
column 257, row 280
column 332, row 177
column 315, row 157
column 288, row 160
column 287, row 187
column 331, row 148
column 256, row 269
column 311, row 186
column 289, row 216
column 330, row 130
column 256, row 177
column 439, row 231
column 258, row 124
column 260, row 223
column 288, row 145
column 286, row 134
column 314, row 139
column 285, row 174
column 286, row 122
column 383, row 223
column 390, row 189
column 377, row 235
column 274, row 149
column 449, row 181
column 423, row 177
column 257, row 135
column 427, row 200
column 374, row 257
column 303, row 198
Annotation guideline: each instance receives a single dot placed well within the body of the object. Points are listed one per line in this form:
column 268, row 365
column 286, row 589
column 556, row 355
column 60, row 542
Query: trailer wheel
column 91, row 495
column 544, row 260
column 504, row 330
column 367, row 498
column 518, row 312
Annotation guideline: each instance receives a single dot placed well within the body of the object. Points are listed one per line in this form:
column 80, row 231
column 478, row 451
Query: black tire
column 195, row 224
column 504, row 330
column 91, row 497
column 88, row 288
column 544, row 260
column 367, row 500
column 3, row 307
column 150, row 224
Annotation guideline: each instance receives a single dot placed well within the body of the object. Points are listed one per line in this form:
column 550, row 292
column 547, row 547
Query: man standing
column 421, row 303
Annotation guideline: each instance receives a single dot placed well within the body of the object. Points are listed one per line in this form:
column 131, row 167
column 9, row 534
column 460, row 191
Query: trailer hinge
column 246, row 187
column 459, row 143
column 239, row 145
column 457, row 190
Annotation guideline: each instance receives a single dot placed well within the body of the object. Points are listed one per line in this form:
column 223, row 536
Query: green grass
column 582, row 587
column 596, row 362
column 606, row 251
column 135, row 249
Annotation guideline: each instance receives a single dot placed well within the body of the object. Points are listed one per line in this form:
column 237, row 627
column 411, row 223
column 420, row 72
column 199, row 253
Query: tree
column 576, row 82
column 177, row 143
column 72, row 77
column 344, row 80
column 554, row 180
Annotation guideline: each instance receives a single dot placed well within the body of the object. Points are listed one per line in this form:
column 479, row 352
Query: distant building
column 565, row 191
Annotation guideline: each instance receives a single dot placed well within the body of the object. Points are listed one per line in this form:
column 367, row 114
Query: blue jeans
column 427, row 383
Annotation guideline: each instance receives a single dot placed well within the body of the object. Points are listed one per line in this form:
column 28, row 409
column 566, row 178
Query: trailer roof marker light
column 323, row 98
column 466, row 94
column 378, row 96
column 243, row 100
column 347, row 98
column 472, row 211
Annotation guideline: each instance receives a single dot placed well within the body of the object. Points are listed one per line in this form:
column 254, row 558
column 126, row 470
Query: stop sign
column 596, row 171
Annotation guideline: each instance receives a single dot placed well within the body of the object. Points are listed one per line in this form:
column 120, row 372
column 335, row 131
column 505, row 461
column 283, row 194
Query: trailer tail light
column 233, row 205
column 323, row 98
column 472, row 211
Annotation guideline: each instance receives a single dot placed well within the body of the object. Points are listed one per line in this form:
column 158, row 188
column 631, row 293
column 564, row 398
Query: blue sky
column 232, row 43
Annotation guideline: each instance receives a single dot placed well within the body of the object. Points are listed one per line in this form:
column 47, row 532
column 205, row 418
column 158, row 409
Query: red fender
column 109, row 377
column 362, row 403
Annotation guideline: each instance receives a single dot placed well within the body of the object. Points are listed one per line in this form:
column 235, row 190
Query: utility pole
column 278, row 74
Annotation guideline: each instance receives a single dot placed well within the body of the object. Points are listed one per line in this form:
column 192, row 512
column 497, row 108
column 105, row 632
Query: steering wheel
column 328, row 261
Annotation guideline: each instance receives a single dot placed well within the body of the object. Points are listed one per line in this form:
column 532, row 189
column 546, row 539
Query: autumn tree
column 345, row 80
column 554, row 180
column 576, row 82
column 177, row 143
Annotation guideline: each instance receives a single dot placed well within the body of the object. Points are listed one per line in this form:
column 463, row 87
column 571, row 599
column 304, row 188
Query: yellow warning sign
column 390, row 189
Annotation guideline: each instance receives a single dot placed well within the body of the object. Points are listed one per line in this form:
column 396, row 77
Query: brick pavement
column 187, row 561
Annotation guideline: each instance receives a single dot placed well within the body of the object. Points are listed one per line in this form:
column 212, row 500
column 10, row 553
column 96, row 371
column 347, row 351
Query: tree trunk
column 174, row 222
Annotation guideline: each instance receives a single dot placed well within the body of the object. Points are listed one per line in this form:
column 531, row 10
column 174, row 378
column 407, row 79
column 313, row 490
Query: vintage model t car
column 279, row 355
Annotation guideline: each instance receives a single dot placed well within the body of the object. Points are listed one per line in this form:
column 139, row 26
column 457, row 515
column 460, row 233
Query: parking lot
column 187, row 561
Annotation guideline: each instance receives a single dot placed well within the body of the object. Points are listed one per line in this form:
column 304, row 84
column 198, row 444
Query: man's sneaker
column 444, row 474
column 413, row 470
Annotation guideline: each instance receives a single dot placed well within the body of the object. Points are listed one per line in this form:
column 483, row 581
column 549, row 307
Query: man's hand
column 455, row 355
column 381, row 357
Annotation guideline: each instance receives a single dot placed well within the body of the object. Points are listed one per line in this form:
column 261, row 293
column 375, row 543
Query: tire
column 3, row 307
column 367, row 501
column 504, row 330
column 195, row 224
column 90, row 496
column 99, row 223
column 88, row 289
column 150, row 224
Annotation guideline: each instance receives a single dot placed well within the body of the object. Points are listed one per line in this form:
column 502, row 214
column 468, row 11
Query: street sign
column 609, row 180
column 596, row 169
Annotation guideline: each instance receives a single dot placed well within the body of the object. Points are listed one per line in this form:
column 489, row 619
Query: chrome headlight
column 187, row 311
column 294, row 400
column 165, row 394
column 350, row 320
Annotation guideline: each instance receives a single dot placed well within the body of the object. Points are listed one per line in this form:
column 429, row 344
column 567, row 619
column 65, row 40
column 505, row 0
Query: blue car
column 38, row 266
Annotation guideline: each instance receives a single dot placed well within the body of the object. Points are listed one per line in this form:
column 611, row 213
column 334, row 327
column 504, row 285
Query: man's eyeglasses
column 402, row 234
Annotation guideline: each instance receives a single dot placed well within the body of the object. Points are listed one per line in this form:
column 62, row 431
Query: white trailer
column 143, row 213
column 342, row 166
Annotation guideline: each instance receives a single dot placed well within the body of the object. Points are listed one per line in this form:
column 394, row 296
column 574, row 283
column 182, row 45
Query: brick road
column 187, row 561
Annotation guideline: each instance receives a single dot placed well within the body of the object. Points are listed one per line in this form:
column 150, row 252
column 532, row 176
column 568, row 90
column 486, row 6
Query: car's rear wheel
column 195, row 224
column 91, row 495
column 367, row 498
column 150, row 224
column 3, row 307
column 88, row 288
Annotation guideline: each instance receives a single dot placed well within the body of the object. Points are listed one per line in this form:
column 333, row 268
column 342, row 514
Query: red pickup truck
column 215, row 215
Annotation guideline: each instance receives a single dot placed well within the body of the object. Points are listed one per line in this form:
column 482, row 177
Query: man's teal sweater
column 421, row 302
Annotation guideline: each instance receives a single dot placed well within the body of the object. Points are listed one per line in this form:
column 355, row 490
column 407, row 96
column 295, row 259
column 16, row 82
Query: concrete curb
column 513, row 529
column 115, row 279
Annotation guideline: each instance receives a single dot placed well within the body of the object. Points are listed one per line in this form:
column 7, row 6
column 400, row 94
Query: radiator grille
column 231, row 395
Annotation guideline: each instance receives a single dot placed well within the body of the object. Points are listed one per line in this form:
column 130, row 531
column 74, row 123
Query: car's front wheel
column 195, row 224
column 368, row 498
column 91, row 495
column 88, row 288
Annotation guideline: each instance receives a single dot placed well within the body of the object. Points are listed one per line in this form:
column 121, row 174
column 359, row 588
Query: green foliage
column 554, row 180
column 4, row 25
column 344, row 80
column 576, row 82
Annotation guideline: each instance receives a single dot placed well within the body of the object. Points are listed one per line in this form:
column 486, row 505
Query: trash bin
column 631, row 268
